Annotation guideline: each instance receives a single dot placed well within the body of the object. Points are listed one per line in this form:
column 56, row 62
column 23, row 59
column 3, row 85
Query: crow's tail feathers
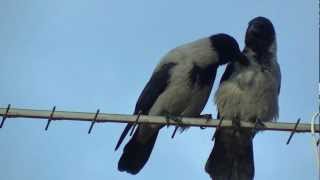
column 136, row 153
column 232, row 156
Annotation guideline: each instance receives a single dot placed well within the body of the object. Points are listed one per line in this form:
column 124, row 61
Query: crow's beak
column 243, row 59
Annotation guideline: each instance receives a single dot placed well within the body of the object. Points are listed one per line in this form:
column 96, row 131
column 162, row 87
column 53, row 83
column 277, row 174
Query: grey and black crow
column 246, row 93
column 179, row 86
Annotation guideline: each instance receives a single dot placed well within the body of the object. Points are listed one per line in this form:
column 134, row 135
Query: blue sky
column 83, row 55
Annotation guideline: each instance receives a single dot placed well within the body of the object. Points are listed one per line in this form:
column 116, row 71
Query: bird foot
column 236, row 124
column 258, row 124
column 208, row 117
column 173, row 118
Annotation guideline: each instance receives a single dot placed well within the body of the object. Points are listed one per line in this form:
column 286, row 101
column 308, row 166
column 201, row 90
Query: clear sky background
column 82, row 55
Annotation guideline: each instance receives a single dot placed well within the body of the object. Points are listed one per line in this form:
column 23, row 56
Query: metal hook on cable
column 4, row 117
column 93, row 121
column 218, row 127
column 293, row 131
column 135, row 123
column 50, row 117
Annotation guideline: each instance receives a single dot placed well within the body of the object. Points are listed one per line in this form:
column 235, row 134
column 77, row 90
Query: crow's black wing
column 154, row 88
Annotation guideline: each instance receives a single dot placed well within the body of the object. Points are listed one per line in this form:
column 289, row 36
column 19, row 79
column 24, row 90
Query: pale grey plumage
column 198, row 53
column 180, row 86
column 246, row 93
column 252, row 91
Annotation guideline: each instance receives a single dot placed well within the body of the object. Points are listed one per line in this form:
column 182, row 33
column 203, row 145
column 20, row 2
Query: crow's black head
column 227, row 48
column 260, row 34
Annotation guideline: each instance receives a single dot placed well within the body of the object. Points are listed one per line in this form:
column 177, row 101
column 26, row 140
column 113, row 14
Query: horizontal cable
column 122, row 118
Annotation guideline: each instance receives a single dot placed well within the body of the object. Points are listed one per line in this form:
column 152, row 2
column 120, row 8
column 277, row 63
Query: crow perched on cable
column 179, row 86
column 246, row 93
